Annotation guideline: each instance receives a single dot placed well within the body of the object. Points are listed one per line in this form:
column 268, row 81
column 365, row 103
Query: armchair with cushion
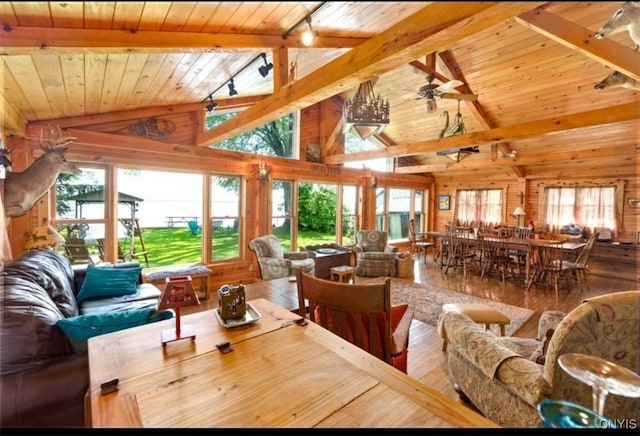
column 359, row 313
column 374, row 258
column 503, row 379
column 274, row 262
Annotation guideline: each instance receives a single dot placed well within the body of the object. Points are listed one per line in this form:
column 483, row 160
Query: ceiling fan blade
column 448, row 86
column 456, row 96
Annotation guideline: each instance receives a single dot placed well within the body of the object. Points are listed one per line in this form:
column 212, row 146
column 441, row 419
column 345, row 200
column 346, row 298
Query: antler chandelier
column 366, row 113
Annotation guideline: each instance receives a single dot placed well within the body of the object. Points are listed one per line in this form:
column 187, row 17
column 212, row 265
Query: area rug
column 427, row 302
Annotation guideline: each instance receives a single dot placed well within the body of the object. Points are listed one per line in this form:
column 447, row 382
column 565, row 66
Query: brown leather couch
column 44, row 375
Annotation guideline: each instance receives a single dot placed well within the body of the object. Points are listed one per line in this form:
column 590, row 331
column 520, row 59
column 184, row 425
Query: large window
column 479, row 207
column 282, row 219
column 317, row 213
column 588, row 206
column 395, row 207
column 226, row 192
column 275, row 138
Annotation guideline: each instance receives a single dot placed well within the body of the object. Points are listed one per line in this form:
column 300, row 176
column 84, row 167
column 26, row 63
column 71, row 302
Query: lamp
column 264, row 69
column 366, row 113
column 457, row 154
column 519, row 212
column 41, row 237
column 232, row 88
column 178, row 292
column 212, row 104
column 309, row 36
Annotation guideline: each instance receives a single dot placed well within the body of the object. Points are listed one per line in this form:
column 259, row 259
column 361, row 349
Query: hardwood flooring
column 427, row 362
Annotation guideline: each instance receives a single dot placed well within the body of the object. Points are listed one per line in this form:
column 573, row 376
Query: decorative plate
column 251, row 316
column 327, row 250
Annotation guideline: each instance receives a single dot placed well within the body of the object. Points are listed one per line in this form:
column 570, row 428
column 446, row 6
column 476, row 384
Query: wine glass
column 603, row 376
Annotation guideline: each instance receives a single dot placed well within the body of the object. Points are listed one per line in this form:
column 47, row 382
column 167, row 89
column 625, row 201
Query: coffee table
column 279, row 374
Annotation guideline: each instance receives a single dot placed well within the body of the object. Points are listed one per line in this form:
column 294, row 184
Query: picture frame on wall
column 444, row 202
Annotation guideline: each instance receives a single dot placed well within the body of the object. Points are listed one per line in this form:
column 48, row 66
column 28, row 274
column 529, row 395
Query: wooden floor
column 428, row 363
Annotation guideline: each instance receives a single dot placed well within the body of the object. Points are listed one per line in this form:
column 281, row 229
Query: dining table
column 274, row 369
column 571, row 248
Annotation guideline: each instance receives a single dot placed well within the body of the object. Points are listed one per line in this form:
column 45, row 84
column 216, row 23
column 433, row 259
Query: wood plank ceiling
column 533, row 66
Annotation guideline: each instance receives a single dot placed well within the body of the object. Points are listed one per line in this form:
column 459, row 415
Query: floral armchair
column 374, row 258
column 274, row 262
column 506, row 377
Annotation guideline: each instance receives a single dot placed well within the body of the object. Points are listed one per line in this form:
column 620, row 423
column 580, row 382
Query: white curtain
column 587, row 206
column 479, row 207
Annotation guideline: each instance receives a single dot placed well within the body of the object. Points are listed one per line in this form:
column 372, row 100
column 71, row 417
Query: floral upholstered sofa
column 506, row 377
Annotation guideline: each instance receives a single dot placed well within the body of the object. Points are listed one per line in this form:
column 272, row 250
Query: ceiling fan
column 431, row 90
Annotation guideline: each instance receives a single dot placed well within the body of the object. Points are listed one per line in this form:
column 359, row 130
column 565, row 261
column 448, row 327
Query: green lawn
column 177, row 245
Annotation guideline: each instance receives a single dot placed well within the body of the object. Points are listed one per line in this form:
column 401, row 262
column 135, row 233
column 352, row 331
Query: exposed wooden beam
column 606, row 51
column 23, row 40
column 612, row 114
column 433, row 28
column 549, row 158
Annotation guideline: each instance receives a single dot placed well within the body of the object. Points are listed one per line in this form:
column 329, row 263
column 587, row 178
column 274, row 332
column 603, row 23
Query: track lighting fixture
column 232, row 88
column 309, row 36
column 264, row 69
column 212, row 104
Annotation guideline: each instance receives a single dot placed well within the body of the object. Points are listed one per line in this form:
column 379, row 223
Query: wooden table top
column 279, row 374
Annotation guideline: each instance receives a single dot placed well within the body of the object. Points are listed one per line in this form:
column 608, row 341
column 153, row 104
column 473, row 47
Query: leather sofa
column 507, row 377
column 45, row 375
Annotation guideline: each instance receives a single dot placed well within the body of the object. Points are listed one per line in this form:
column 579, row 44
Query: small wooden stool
column 342, row 273
column 478, row 312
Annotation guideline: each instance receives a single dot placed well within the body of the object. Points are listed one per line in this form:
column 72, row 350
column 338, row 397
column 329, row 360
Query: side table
column 343, row 273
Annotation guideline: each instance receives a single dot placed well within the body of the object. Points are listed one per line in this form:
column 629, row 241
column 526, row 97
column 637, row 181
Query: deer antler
column 53, row 143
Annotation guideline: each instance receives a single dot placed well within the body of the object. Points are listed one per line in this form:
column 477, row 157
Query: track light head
column 264, row 69
column 212, row 104
column 232, row 88
column 309, row 36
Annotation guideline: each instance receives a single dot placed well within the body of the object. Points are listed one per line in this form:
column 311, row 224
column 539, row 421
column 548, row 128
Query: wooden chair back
column 358, row 313
column 583, row 257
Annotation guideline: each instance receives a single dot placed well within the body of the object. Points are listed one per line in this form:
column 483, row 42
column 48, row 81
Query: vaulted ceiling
column 533, row 66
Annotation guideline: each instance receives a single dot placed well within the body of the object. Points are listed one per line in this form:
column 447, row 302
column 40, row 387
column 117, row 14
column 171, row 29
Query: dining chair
column 579, row 269
column 497, row 257
column 459, row 252
column 418, row 244
column 547, row 262
column 360, row 313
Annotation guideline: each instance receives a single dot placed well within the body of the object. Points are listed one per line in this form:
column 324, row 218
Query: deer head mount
column 617, row 79
column 627, row 17
column 23, row 189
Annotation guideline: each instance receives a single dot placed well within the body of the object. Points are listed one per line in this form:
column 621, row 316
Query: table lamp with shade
column 42, row 236
column 519, row 212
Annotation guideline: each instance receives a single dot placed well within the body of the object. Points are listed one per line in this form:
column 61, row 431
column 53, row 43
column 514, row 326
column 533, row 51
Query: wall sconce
column 457, row 154
column 374, row 182
column 264, row 69
column 42, row 236
column 263, row 171
column 518, row 212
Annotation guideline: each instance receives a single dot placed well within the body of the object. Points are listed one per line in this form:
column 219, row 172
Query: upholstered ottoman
column 478, row 312
column 159, row 275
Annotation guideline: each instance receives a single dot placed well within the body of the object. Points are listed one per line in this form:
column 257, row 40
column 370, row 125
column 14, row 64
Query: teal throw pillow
column 88, row 326
column 108, row 282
